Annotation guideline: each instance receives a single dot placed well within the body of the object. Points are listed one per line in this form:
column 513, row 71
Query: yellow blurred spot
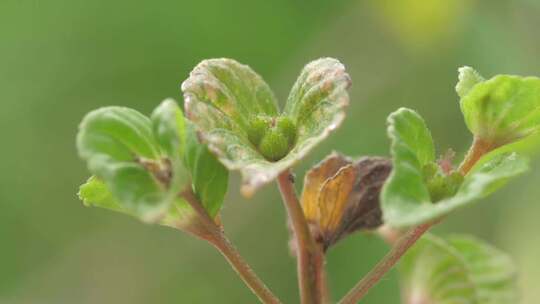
column 421, row 24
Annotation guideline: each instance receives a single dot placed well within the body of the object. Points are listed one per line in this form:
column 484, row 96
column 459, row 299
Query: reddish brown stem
column 311, row 278
column 387, row 263
column 322, row 282
column 244, row 271
column 478, row 149
column 207, row 229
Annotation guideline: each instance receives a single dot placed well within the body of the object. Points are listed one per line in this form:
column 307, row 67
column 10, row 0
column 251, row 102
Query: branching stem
column 210, row 231
column 478, row 149
column 310, row 257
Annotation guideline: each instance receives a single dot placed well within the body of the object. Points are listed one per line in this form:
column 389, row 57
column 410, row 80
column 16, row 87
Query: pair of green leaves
column 141, row 164
column 457, row 269
column 498, row 111
column 406, row 197
column 228, row 101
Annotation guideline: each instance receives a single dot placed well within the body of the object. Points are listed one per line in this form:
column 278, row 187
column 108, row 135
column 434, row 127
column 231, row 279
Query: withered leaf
column 315, row 179
column 363, row 207
column 341, row 196
column 333, row 198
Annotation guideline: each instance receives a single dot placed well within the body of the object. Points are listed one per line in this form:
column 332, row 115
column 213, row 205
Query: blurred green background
column 62, row 58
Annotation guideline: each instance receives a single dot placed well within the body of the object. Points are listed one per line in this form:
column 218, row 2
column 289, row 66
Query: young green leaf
column 457, row 270
column 406, row 197
column 170, row 132
column 412, row 150
column 169, row 128
column 503, row 109
column 433, row 272
column 180, row 142
column 208, row 176
column 121, row 150
column 140, row 164
column 237, row 115
column 94, row 193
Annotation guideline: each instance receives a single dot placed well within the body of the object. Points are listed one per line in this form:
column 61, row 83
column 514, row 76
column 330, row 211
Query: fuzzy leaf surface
column 467, row 79
column 223, row 97
column 503, row 109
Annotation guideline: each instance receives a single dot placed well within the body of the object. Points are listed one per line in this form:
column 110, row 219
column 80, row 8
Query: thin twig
column 214, row 234
column 387, row 263
column 310, row 258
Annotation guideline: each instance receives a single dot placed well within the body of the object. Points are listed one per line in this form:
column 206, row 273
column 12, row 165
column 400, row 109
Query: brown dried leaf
column 341, row 197
column 333, row 198
column 363, row 208
column 315, row 179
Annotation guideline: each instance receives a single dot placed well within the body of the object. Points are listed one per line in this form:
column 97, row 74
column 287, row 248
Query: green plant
column 173, row 171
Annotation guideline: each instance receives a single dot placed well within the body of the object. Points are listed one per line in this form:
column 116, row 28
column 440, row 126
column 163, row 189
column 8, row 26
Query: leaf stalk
column 478, row 149
column 310, row 256
column 213, row 233
column 386, row 264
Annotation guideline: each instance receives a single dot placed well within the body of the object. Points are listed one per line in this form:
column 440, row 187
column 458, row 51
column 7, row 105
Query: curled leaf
column 236, row 113
column 341, row 196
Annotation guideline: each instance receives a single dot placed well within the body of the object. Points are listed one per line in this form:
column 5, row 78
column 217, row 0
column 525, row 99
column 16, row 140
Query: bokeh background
column 62, row 58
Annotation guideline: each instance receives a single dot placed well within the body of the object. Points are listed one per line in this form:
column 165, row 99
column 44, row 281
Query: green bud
column 286, row 126
column 430, row 170
column 273, row 137
column 439, row 184
column 258, row 126
column 274, row 145
column 455, row 179
column 437, row 188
